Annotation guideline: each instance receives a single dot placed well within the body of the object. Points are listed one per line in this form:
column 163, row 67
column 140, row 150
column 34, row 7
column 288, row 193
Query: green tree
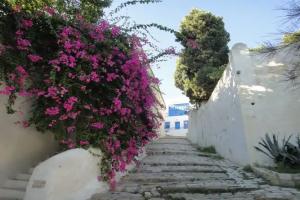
column 91, row 10
column 204, row 56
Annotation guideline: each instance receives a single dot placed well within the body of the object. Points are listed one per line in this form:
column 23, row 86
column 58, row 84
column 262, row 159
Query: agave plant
column 292, row 154
column 271, row 148
column 287, row 153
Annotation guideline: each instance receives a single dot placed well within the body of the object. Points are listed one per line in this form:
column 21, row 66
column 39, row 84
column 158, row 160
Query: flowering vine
column 89, row 84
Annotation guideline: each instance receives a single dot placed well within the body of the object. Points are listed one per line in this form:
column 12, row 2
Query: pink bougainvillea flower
column 94, row 77
column 117, row 104
column 26, row 23
column 7, row 90
column 84, row 142
column 69, row 103
column 83, row 88
column 103, row 25
column 25, row 124
column 24, row 93
column 97, row 125
column 63, row 117
column 122, row 166
column 73, row 115
column 71, row 129
column 34, row 58
column 71, row 145
column 52, row 111
column 49, row 10
column 86, row 106
column 23, row 44
column 52, row 92
column 111, row 76
column 115, row 31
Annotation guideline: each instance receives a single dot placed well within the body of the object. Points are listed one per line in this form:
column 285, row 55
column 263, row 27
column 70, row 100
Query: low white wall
column 20, row 148
column 251, row 99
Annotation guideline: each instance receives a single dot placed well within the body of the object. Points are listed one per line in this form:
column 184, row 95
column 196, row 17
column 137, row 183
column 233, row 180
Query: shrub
column 89, row 84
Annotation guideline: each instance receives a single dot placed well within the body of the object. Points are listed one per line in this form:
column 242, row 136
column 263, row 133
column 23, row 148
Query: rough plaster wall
column 219, row 122
column 20, row 148
column 251, row 99
column 269, row 103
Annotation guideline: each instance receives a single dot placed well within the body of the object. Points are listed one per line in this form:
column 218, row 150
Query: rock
column 71, row 175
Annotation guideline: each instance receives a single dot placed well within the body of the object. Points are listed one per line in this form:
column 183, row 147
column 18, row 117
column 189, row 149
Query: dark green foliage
column 91, row 10
column 204, row 56
column 286, row 154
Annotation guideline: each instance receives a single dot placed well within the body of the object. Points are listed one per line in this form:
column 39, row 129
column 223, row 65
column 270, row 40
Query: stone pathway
column 175, row 170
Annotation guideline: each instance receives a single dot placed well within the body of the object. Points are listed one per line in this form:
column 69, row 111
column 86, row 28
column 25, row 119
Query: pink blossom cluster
column 99, row 95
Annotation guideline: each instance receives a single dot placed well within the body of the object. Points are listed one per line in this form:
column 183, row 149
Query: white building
column 176, row 120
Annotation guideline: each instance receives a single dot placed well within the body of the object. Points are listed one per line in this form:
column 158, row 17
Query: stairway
column 175, row 170
column 15, row 188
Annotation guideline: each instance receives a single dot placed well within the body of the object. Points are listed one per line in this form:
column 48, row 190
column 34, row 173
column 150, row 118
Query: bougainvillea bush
column 89, row 84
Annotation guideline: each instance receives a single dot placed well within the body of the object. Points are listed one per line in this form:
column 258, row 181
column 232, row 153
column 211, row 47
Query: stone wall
column 251, row 99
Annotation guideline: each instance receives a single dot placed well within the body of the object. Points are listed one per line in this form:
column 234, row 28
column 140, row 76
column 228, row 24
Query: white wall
column 20, row 148
column 276, row 101
column 250, row 100
column 219, row 122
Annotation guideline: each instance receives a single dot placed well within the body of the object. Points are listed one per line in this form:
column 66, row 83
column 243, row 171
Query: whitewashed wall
column 20, row 148
column 219, row 122
column 250, row 100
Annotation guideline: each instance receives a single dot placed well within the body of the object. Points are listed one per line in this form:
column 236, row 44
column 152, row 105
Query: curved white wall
column 20, row 148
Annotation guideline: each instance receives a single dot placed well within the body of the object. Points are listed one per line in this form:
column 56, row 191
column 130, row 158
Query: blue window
column 177, row 125
column 167, row 125
column 186, row 124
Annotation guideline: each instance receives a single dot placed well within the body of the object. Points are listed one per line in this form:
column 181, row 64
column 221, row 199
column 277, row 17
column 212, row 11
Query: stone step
column 9, row 194
column 218, row 196
column 176, row 152
column 206, row 188
column 175, row 177
column 15, row 184
column 182, row 186
column 179, row 160
column 165, row 147
column 23, row 176
column 117, row 196
column 170, row 143
column 188, row 168
column 172, row 152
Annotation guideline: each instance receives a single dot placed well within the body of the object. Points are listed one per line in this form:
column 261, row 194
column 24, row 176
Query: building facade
column 176, row 121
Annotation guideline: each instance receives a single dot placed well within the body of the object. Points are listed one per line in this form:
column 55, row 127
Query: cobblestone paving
column 175, row 170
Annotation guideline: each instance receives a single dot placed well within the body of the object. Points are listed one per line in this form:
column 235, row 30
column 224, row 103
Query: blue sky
column 247, row 21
